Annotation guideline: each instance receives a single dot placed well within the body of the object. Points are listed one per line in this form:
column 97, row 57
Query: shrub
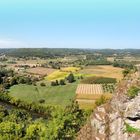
column 54, row 83
column 133, row 91
column 101, row 100
column 131, row 129
column 42, row 84
column 126, row 72
column 62, row 82
column 41, row 101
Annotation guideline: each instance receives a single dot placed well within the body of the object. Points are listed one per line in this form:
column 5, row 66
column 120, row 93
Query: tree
column 126, row 72
column 62, row 82
column 70, row 78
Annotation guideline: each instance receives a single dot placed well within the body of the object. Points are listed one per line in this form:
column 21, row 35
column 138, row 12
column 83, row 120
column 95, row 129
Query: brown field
column 103, row 71
column 88, row 101
column 87, row 94
column 40, row 71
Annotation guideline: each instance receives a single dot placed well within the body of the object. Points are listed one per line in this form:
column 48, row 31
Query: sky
column 70, row 23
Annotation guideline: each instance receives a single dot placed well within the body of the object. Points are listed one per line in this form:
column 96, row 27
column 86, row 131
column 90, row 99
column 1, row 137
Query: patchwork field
column 61, row 95
column 103, row 71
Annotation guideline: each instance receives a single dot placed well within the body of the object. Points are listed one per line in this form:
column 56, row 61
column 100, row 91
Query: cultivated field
column 103, row 71
column 40, row 71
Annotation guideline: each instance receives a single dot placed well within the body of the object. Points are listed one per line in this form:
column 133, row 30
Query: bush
column 54, row 83
column 133, row 91
column 62, row 82
column 126, row 72
column 42, row 84
column 131, row 129
column 41, row 101
column 101, row 100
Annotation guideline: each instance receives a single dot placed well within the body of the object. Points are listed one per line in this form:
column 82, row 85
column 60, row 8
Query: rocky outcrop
column 108, row 122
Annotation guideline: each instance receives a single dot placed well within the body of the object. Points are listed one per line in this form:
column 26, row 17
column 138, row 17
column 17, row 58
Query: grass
column 57, row 75
column 131, row 129
column 59, row 95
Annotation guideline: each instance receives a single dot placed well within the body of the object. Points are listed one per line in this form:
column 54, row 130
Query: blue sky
column 70, row 23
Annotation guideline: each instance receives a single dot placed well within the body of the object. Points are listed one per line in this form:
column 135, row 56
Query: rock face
column 108, row 122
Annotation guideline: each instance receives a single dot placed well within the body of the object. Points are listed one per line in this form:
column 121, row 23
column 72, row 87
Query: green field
column 58, row 95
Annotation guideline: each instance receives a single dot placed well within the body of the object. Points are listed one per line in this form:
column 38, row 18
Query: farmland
column 40, row 71
column 49, row 83
column 61, row 95
column 103, row 71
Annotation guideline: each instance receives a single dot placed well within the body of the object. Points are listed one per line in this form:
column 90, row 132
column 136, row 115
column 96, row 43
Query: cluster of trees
column 94, row 61
column 57, row 83
column 123, row 65
column 70, row 78
column 10, row 81
column 63, row 124
column 9, row 78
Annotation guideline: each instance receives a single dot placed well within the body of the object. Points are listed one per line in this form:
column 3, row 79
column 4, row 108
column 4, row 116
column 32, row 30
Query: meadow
column 53, row 95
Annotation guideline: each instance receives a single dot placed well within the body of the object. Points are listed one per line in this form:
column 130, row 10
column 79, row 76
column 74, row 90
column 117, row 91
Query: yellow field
column 62, row 73
column 104, row 71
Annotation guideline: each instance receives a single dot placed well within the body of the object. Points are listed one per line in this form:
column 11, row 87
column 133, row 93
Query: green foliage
column 54, row 83
column 62, row 82
column 108, row 88
column 123, row 65
column 42, row 84
column 98, row 80
column 63, row 124
column 71, row 78
column 101, row 100
column 66, row 123
column 133, row 91
column 131, row 129
column 126, row 72
column 33, row 107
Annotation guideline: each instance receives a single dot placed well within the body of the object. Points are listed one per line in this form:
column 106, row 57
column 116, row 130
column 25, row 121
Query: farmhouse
column 89, row 91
